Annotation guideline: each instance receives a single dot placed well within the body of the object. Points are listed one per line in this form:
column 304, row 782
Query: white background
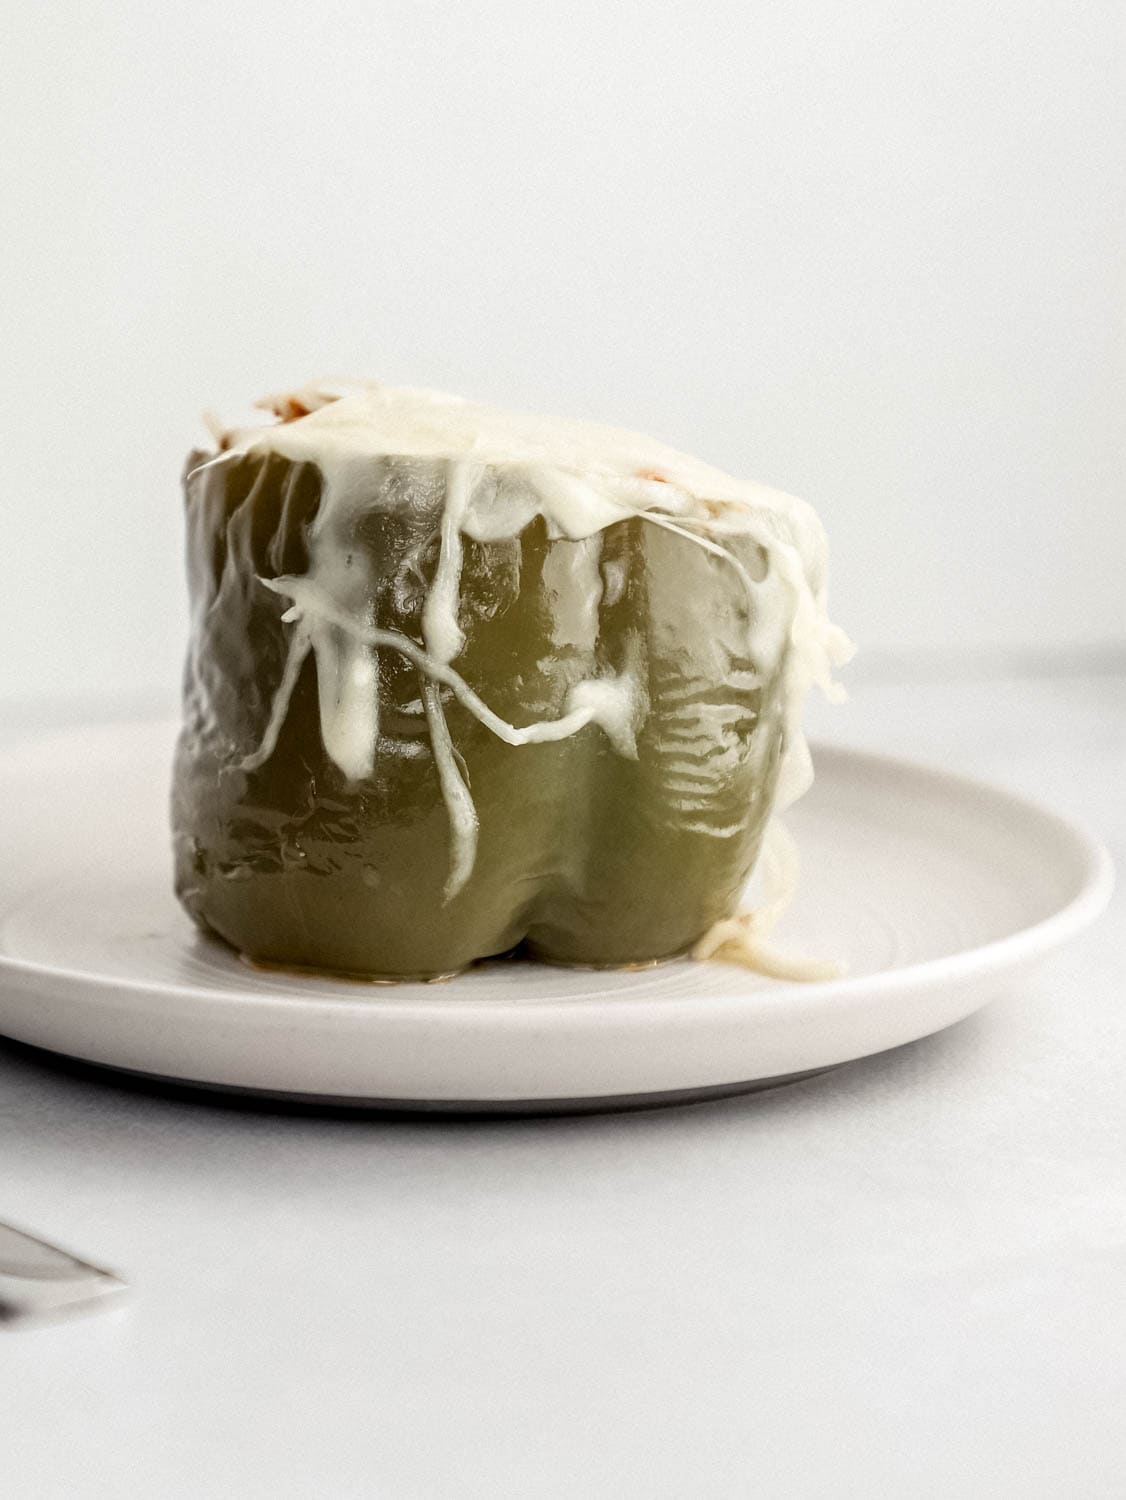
column 872, row 253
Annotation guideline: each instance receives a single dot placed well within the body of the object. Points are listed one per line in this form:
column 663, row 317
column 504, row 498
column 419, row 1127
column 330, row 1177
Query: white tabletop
column 906, row 1278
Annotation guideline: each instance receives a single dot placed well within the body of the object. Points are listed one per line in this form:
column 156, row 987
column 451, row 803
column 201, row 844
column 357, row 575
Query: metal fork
column 38, row 1280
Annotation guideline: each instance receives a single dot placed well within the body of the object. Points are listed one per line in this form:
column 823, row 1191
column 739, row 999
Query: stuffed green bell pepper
column 462, row 682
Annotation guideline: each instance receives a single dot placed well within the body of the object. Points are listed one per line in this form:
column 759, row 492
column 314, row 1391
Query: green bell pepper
column 620, row 843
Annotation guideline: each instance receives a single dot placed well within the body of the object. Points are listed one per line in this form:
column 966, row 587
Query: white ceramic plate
column 936, row 891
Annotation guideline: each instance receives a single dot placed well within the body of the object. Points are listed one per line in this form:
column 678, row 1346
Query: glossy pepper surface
column 610, row 846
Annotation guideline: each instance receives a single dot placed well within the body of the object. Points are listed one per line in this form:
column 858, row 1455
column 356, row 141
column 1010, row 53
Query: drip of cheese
column 462, row 813
column 745, row 937
column 502, row 470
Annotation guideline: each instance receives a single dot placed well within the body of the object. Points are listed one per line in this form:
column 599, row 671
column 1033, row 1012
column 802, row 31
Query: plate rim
column 1093, row 888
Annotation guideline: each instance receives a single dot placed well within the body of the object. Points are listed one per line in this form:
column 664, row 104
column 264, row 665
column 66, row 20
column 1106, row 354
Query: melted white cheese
column 580, row 478
column 745, row 937
column 440, row 629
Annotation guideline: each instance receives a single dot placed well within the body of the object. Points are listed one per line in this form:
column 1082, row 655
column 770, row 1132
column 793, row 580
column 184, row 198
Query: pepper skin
column 586, row 856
